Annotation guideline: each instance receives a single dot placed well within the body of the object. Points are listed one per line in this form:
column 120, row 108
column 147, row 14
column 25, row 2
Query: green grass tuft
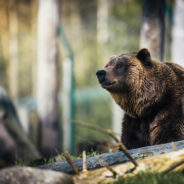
column 153, row 178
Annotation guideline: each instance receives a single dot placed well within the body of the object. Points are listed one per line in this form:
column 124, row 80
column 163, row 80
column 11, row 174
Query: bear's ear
column 113, row 56
column 144, row 56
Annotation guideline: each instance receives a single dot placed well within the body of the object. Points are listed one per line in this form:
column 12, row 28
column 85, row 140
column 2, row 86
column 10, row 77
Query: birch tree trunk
column 48, row 76
column 153, row 27
column 177, row 48
column 102, row 21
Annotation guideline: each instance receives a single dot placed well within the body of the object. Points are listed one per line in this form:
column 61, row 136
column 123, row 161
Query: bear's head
column 131, row 80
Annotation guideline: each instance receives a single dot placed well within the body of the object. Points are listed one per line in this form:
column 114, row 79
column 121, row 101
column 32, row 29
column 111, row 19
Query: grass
column 153, row 178
column 56, row 159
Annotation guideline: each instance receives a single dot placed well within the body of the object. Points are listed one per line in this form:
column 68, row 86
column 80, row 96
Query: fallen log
column 158, row 167
column 114, row 158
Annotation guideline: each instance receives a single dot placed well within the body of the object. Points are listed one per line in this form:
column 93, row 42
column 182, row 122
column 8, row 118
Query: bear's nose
column 101, row 75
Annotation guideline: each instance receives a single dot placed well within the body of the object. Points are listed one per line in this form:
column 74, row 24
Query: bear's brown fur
column 150, row 93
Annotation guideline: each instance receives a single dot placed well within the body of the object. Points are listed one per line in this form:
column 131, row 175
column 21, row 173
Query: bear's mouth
column 107, row 83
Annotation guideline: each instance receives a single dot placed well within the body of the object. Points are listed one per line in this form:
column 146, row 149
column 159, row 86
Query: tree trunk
column 13, row 65
column 153, row 27
column 48, row 76
column 102, row 21
column 177, row 50
column 15, row 145
column 33, row 7
column 4, row 32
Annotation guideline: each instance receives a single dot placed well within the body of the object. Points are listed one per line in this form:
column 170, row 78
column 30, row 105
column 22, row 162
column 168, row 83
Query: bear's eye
column 119, row 65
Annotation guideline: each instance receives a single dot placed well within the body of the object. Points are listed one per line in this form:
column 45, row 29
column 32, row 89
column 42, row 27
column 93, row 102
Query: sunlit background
column 89, row 32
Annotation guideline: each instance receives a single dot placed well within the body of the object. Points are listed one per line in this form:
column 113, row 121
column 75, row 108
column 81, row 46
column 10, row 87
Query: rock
column 28, row 175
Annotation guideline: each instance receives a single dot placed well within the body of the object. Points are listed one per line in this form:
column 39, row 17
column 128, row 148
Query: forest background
column 95, row 30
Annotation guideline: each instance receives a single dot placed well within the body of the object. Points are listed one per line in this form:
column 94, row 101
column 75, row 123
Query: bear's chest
column 142, row 132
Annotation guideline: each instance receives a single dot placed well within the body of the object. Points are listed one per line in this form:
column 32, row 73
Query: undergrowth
column 153, row 178
column 56, row 159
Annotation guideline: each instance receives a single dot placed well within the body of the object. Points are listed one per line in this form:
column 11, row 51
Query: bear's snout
column 101, row 75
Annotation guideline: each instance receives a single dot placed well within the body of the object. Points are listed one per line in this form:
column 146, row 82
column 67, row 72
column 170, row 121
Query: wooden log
column 157, row 166
column 114, row 158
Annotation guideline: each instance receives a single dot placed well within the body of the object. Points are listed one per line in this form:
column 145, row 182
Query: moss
column 58, row 158
column 152, row 178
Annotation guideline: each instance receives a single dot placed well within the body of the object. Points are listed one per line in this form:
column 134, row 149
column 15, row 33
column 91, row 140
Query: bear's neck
column 126, row 103
column 137, row 104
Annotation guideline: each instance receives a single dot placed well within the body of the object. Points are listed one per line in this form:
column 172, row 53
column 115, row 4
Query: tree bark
column 114, row 158
column 48, row 76
column 102, row 21
column 33, row 10
column 13, row 44
column 177, row 49
column 159, row 164
column 153, row 27
column 4, row 32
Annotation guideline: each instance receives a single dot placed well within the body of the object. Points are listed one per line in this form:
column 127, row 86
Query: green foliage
column 3, row 75
column 152, row 178
column 125, row 24
column 124, row 21
column 58, row 158
column 79, row 21
column 99, row 112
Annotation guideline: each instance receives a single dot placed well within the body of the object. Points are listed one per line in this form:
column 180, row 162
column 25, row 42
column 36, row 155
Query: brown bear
column 150, row 93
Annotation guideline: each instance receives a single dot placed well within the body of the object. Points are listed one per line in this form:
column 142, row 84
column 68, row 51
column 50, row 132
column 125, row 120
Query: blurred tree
column 177, row 47
column 4, row 39
column 102, row 21
column 48, row 76
column 34, row 6
column 13, row 44
column 15, row 145
column 153, row 27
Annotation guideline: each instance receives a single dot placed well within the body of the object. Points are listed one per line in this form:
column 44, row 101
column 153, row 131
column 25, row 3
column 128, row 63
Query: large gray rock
column 28, row 175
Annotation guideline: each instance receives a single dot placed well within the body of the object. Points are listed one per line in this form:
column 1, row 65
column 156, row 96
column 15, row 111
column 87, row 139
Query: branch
column 173, row 167
column 111, row 134
column 114, row 173
column 84, row 165
column 69, row 159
